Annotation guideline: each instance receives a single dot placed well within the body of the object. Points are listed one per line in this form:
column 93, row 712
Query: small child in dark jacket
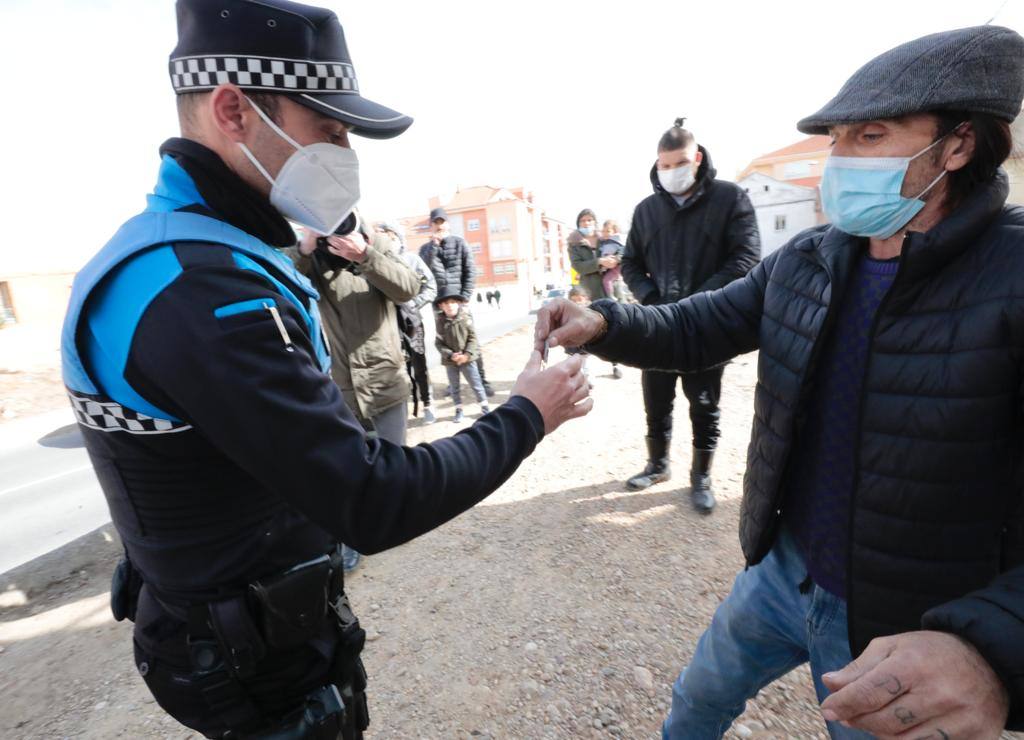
column 611, row 244
column 456, row 341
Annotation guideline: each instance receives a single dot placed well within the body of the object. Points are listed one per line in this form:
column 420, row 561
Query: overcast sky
column 568, row 98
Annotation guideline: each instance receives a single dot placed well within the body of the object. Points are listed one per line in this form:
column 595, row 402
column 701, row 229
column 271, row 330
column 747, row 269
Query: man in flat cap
column 196, row 363
column 883, row 515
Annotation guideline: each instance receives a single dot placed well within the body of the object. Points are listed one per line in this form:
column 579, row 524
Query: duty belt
column 228, row 637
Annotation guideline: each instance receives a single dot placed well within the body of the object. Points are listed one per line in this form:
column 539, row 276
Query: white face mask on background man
column 318, row 185
column 677, row 180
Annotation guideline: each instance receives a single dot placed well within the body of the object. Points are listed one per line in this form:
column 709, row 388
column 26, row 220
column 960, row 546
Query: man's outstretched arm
column 699, row 332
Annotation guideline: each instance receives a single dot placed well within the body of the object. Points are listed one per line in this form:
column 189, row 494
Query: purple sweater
column 817, row 507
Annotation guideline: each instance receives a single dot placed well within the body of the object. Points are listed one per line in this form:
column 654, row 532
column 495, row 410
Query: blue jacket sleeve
column 272, row 411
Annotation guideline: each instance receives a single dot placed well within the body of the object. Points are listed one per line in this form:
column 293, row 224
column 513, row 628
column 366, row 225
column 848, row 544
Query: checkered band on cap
column 189, row 74
column 102, row 414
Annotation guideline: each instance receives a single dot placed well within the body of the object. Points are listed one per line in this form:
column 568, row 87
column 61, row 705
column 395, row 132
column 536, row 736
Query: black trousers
column 420, row 376
column 703, row 390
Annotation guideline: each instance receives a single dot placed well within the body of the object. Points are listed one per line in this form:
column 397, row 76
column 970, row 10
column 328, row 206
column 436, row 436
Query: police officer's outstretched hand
column 560, row 392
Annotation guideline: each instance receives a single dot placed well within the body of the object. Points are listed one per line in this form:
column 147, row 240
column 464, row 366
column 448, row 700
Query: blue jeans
column 765, row 628
column 472, row 375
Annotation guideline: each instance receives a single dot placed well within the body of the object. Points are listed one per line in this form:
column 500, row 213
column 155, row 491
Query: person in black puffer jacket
column 882, row 513
column 694, row 233
column 450, row 259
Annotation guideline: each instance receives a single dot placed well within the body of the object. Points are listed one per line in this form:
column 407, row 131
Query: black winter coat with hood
column 674, row 251
column 937, row 512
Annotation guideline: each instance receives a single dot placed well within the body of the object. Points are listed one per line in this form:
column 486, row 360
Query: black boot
column 657, row 469
column 701, row 495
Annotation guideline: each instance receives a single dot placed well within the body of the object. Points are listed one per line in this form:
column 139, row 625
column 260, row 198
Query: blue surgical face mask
column 861, row 195
column 587, row 230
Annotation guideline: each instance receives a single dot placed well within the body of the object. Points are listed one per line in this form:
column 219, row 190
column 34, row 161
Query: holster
column 322, row 716
column 290, row 608
column 125, row 585
column 228, row 638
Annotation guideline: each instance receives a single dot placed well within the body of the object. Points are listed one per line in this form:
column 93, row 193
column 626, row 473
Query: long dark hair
column 993, row 144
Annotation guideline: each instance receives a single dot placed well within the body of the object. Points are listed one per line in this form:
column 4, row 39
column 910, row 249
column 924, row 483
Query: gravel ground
column 24, row 392
column 563, row 606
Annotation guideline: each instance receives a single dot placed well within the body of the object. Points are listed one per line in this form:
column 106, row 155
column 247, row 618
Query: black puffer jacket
column 937, row 526
column 675, row 251
column 452, row 264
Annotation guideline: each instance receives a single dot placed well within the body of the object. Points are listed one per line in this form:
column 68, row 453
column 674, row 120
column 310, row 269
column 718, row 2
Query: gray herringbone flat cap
column 978, row 69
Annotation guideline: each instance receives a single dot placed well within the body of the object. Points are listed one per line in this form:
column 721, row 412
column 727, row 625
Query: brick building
column 513, row 241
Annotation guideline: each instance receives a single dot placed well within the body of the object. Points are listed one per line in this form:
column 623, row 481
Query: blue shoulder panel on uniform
column 115, row 309
column 174, row 188
column 310, row 317
column 136, row 251
column 233, row 309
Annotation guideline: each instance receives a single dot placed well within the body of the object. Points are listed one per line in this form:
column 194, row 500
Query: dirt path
column 561, row 607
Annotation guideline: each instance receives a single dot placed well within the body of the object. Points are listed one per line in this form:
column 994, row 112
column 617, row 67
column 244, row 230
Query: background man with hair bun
column 694, row 233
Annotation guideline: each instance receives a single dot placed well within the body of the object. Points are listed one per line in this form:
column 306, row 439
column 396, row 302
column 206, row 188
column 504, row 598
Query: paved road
column 48, row 492
column 49, row 495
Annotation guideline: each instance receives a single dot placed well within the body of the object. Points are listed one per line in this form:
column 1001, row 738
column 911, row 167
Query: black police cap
column 279, row 47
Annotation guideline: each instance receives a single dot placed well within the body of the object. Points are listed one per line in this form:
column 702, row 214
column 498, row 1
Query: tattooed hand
column 919, row 686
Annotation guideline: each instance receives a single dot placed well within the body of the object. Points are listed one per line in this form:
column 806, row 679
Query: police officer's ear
column 231, row 114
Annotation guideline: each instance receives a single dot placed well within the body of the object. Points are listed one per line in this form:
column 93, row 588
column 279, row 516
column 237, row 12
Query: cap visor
column 366, row 118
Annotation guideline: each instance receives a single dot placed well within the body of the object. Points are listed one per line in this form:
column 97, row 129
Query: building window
column 505, row 268
column 6, row 306
column 793, row 170
column 473, row 224
column 500, row 225
column 475, row 247
column 780, row 223
column 501, row 249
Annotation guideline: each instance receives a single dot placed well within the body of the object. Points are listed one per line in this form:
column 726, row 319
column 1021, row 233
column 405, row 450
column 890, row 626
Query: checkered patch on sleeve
column 196, row 73
column 96, row 412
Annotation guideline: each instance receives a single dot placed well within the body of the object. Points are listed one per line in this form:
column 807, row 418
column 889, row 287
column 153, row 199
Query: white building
column 783, row 209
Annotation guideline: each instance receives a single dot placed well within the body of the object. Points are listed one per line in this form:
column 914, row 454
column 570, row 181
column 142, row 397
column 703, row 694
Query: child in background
column 579, row 296
column 456, row 341
column 611, row 244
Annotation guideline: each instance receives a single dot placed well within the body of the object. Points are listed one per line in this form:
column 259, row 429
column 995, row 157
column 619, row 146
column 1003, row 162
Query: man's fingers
column 876, row 651
column 542, row 328
column 581, row 391
column 562, row 335
column 939, row 729
column 875, row 689
column 901, row 715
column 581, row 409
column 534, row 363
column 573, row 364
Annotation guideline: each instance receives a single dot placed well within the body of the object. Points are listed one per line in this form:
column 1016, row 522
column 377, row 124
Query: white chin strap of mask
column 317, row 186
column 277, row 130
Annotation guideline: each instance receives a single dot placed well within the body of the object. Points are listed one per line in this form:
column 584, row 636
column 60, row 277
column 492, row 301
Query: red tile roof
column 471, row 197
column 810, row 145
column 807, row 182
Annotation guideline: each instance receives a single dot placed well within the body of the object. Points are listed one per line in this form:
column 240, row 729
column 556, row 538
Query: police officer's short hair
column 187, row 103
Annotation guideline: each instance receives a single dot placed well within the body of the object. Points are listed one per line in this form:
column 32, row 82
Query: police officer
column 195, row 362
